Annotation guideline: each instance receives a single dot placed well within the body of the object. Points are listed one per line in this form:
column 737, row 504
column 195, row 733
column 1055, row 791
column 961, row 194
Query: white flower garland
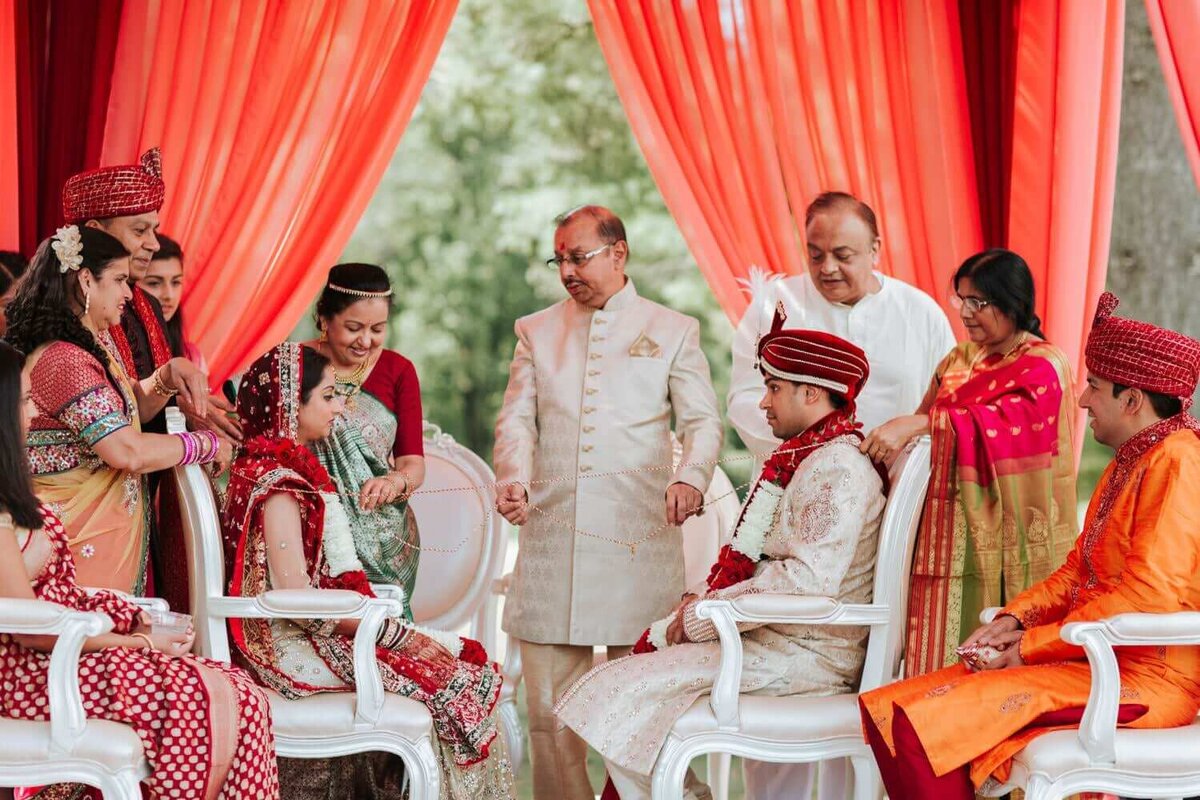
column 337, row 540
column 340, row 555
column 658, row 633
column 757, row 520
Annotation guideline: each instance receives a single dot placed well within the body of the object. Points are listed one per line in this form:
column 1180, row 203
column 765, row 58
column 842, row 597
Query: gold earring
column 87, row 302
column 324, row 336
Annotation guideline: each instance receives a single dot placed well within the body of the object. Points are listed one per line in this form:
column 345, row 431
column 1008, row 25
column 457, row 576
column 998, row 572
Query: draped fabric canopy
column 1176, row 28
column 994, row 126
column 745, row 115
column 276, row 121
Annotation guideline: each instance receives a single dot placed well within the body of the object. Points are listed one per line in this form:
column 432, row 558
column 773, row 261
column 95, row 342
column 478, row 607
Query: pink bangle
column 189, row 449
column 212, row 446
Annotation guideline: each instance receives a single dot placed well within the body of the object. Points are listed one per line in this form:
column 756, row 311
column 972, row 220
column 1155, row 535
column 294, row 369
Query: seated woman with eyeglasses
column 1000, row 511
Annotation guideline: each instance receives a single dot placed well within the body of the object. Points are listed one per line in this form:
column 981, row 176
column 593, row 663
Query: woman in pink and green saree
column 1000, row 511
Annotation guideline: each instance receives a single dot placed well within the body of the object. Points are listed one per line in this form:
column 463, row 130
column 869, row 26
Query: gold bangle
column 160, row 387
column 145, row 638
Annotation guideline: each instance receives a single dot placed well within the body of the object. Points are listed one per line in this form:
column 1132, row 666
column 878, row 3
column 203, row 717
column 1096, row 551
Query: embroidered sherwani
column 1138, row 552
column 595, row 392
column 822, row 543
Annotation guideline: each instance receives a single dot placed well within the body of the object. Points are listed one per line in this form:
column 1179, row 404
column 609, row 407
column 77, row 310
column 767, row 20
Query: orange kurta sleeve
column 1160, row 565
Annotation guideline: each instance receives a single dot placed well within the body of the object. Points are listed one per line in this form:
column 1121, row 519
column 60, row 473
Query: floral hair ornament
column 68, row 246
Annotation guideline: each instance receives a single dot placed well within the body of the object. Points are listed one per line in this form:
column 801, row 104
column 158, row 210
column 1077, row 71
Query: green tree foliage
column 519, row 122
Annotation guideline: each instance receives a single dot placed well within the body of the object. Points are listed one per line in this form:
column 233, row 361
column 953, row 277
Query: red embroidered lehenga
column 300, row 659
column 201, row 722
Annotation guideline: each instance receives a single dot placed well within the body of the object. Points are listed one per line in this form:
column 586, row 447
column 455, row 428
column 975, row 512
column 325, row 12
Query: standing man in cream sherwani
column 593, row 386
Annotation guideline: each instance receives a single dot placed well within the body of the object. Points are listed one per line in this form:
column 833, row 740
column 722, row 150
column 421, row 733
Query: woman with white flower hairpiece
column 86, row 447
column 285, row 528
column 809, row 527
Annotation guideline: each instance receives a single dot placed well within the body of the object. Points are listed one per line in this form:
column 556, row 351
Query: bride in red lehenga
column 205, row 726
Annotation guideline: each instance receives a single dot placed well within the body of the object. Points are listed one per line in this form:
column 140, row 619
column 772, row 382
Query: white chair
column 463, row 544
column 69, row 748
column 1099, row 757
column 794, row 728
column 323, row 725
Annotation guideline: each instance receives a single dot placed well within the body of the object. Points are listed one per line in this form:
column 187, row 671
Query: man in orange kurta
column 946, row 733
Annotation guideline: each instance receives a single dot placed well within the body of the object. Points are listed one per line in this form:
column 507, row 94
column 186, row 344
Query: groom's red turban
column 813, row 357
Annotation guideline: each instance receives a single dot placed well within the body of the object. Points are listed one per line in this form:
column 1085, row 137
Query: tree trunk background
column 1154, row 262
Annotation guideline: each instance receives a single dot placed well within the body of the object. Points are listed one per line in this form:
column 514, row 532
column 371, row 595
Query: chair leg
column 718, row 775
column 866, row 778
column 423, row 773
column 669, row 771
column 125, row 785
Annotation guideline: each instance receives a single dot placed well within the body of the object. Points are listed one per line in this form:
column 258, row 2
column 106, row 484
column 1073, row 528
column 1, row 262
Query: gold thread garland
column 564, row 479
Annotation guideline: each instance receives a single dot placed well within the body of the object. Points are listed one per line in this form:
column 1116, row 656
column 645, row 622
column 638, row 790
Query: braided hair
column 44, row 309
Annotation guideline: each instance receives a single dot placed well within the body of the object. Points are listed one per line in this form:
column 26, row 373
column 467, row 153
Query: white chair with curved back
column 795, row 728
column 1099, row 756
column 323, row 725
column 69, row 747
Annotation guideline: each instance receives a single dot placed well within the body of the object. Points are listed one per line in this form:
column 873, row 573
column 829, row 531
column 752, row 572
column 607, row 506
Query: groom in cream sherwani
column 593, row 386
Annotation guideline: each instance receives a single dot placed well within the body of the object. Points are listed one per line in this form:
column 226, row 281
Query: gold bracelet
column 160, row 388
column 145, row 638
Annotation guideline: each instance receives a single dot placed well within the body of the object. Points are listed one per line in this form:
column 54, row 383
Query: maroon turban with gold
column 123, row 191
column 1138, row 354
column 813, row 357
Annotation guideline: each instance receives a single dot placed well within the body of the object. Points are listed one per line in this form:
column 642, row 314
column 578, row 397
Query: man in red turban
column 124, row 201
column 809, row 527
column 945, row 733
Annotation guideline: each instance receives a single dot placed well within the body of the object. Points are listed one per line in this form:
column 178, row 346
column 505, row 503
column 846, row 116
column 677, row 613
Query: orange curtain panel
column 1176, row 28
column 276, row 122
column 746, row 111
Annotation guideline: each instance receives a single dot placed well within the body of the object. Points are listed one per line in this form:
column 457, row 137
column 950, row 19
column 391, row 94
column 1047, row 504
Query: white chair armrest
column 327, row 604
column 765, row 609
column 387, row 591
column 1097, row 729
column 67, row 718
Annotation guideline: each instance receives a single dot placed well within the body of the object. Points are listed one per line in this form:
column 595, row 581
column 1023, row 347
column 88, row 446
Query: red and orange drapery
column 993, row 125
column 276, row 122
column 1176, row 28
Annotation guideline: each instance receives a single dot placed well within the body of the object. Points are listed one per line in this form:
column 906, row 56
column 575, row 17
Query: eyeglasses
column 577, row 260
column 972, row 304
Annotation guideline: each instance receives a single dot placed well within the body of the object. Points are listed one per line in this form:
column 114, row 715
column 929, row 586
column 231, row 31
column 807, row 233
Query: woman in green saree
column 375, row 453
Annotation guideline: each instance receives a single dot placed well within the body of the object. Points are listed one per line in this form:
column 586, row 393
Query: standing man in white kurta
column 904, row 333
column 593, row 387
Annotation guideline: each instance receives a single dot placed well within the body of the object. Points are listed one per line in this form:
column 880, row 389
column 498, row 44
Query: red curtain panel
column 64, row 56
column 1176, row 28
column 276, row 121
column 10, row 192
column 1066, row 118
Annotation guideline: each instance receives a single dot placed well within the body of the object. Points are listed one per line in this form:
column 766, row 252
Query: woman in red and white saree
column 205, row 727
column 285, row 528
